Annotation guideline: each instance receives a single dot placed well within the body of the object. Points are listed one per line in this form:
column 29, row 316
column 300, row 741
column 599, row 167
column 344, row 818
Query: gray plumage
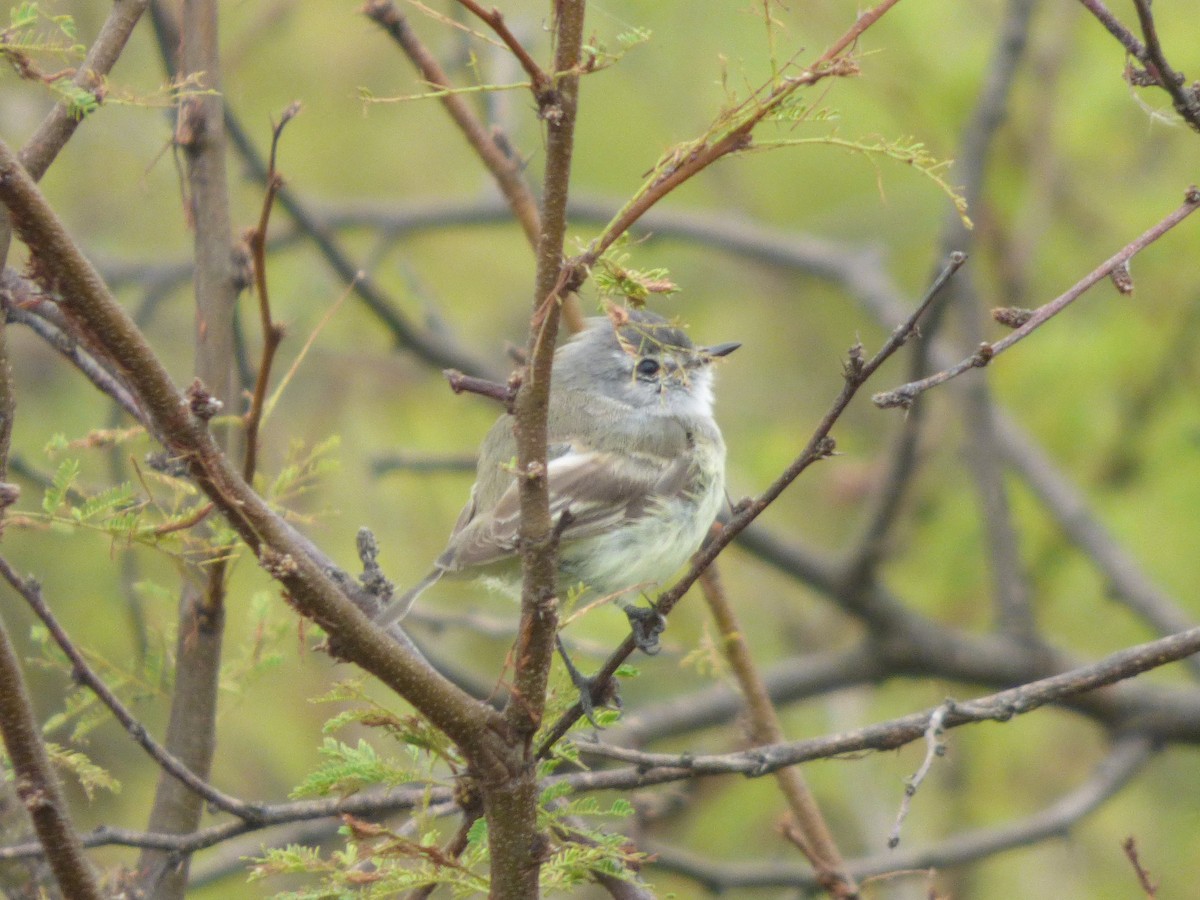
column 634, row 455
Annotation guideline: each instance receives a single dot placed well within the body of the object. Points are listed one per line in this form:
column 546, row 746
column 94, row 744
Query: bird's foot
column 591, row 690
column 647, row 624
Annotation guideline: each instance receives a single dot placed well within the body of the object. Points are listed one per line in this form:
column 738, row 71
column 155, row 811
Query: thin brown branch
column 505, row 168
column 435, row 348
column 31, row 592
column 273, row 332
column 905, row 394
column 423, row 798
column 1186, row 100
column 36, row 784
column 1128, row 757
column 816, row 840
column 43, row 146
column 1149, row 888
column 1124, row 36
column 658, row 768
column 736, row 138
column 501, row 393
column 541, row 82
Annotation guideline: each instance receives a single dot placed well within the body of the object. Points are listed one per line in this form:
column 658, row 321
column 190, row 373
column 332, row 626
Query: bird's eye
column 648, row 367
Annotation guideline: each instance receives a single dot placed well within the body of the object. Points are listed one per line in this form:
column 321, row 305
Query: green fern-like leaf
column 349, row 769
column 90, row 776
column 63, row 481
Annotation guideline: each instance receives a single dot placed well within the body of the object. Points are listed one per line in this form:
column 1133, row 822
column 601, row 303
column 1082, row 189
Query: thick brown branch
column 281, row 552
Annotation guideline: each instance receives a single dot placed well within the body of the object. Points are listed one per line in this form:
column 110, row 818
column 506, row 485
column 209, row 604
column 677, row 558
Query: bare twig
column 1186, row 100
column 905, row 394
column 658, row 768
column 1149, row 888
column 1128, row 757
column 396, row 800
column 503, row 166
column 501, row 393
column 30, row 591
column 933, row 749
column 56, row 129
column 273, row 332
column 542, row 83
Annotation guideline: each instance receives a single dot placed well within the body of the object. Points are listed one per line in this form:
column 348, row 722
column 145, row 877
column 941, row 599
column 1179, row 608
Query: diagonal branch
column 31, row 592
column 905, row 394
column 503, row 166
column 284, row 555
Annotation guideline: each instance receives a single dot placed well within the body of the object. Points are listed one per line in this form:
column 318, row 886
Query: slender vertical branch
column 510, row 801
column 817, row 841
column 489, row 144
column 272, row 332
column 36, row 784
column 191, row 730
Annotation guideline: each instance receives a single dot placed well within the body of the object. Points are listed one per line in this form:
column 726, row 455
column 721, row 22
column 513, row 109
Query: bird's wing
column 596, row 490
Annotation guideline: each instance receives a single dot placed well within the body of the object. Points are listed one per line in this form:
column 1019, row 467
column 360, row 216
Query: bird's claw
column 647, row 624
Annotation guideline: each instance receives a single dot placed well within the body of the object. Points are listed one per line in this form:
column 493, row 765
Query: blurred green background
column 1082, row 165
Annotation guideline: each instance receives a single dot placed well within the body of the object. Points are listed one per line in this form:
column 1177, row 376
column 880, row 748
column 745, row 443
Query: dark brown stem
column 540, row 81
column 1149, row 888
column 1185, row 100
column 501, row 393
column 272, row 332
column 503, row 166
column 1124, row 36
column 36, row 784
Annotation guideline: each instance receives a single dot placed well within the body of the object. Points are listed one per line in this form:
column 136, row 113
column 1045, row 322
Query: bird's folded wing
column 595, row 490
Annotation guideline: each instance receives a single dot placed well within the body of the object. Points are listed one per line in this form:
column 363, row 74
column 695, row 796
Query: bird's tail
column 398, row 608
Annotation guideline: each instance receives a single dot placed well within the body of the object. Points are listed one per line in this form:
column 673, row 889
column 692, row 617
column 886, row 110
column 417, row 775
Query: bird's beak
column 721, row 349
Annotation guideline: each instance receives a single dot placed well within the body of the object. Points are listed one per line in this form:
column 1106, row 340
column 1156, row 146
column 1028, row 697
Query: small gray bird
column 635, row 464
